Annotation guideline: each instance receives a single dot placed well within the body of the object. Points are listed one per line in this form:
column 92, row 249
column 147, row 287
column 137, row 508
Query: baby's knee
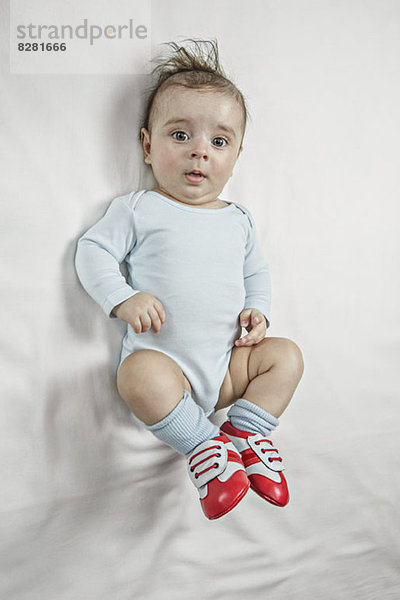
column 282, row 353
column 143, row 362
column 147, row 374
column 291, row 356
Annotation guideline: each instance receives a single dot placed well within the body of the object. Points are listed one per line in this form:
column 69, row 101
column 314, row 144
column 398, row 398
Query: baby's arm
column 100, row 251
column 255, row 315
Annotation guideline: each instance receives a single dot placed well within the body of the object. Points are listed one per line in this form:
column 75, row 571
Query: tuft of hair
column 194, row 66
column 201, row 61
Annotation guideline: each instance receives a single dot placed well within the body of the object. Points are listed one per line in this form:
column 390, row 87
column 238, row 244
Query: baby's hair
column 195, row 67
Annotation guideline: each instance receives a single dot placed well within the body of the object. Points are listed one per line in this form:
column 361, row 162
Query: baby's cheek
column 163, row 165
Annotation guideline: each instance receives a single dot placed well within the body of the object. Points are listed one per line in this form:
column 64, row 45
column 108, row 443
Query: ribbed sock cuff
column 247, row 416
column 185, row 427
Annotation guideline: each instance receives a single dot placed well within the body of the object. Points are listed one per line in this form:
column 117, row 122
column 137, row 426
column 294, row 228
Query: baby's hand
column 142, row 311
column 254, row 321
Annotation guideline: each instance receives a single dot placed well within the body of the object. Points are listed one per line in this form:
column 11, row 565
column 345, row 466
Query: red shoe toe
column 216, row 469
column 262, row 462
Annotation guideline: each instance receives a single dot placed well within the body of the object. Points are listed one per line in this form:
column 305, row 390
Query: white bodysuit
column 204, row 265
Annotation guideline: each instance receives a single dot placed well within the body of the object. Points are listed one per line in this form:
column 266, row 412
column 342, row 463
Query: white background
column 91, row 506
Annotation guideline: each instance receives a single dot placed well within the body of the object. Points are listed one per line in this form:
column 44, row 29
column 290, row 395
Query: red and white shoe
column 216, row 469
column 263, row 464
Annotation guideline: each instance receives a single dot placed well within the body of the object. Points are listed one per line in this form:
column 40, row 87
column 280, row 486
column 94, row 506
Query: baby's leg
column 157, row 392
column 262, row 379
column 265, row 374
column 152, row 384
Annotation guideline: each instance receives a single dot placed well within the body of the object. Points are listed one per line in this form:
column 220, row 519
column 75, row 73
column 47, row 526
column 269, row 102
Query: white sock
column 247, row 416
column 185, row 427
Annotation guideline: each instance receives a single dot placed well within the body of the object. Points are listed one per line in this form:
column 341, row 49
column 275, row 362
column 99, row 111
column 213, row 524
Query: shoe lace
column 269, row 448
column 207, row 458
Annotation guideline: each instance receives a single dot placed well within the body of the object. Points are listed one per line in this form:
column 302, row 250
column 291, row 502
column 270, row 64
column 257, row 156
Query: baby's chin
column 192, row 198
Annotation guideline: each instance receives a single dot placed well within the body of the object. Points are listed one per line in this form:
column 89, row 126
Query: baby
column 196, row 276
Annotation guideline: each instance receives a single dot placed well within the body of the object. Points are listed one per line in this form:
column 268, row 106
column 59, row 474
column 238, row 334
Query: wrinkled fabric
column 93, row 507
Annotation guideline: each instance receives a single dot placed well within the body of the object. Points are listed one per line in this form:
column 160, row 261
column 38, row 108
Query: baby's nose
column 199, row 150
column 199, row 154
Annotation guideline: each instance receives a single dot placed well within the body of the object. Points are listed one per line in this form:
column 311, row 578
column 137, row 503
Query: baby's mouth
column 195, row 176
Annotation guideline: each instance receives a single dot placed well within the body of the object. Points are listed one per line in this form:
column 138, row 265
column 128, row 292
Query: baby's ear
column 146, row 145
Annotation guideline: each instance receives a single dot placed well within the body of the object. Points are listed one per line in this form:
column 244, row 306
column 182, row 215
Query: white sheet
column 91, row 506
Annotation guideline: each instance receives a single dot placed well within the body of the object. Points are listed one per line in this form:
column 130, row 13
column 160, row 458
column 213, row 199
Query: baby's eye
column 180, row 136
column 220, row 142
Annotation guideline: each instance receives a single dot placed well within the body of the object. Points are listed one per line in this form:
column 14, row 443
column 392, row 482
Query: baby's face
column 193, row 144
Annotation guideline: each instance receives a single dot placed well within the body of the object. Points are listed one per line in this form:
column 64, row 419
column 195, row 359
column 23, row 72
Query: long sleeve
column 256, row 275
column 101, row 250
